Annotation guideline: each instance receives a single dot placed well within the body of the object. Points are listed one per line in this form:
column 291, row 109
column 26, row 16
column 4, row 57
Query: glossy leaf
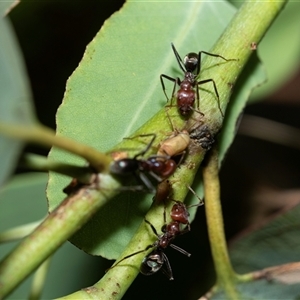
column 116, row 88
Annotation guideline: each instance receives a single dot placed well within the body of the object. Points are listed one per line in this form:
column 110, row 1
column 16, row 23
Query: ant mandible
column 191, row 67
column 157, row 166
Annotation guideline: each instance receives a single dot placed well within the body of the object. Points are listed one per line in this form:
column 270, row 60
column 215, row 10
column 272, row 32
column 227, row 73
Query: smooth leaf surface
column 116, row 88
column 253, row 75
column 15, row 97
column 263, row 289
column 26, row 192
column 280, row 50
column 7, row 6
column 275, row 244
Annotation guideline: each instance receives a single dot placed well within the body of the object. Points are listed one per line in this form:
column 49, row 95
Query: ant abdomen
column 124, row 166
column 152, row 263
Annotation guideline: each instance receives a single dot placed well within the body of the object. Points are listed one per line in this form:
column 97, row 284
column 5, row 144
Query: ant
column 156, row 259
column 191, row 67
column 157, row 166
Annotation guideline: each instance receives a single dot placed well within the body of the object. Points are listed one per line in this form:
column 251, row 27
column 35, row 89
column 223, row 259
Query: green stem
column 42, row 163
column 248, row 26
column 62, row 223
column 18, row 232
column 45, row 136
column 116, row 281
column 39, row 280
column 214, row 219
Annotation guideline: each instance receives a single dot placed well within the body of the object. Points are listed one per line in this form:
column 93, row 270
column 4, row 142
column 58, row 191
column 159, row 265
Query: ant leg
column 143, row 152
column 216, row 91
column 198, row 99
column 168, row 271
column 201, row 201
column 170, row 121
column 180, row 250
column 140, row 251
column 178, row 58
column 216, row 55
column 210, row 54
column 130, row 255
column 153, row 228
column 163, row 84
column 147, row 182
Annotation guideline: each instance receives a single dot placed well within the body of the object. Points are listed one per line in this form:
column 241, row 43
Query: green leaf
column 280, row 50
column 263, row 289
column 15, row 97
column 275, row 244
column 7, row 6
column 253, row 75
column 23, row 191
column 116, row 88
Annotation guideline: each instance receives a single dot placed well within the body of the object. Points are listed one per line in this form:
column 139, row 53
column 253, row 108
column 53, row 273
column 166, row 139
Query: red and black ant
column 191, row 67
column 156, row 259
column 157, row 166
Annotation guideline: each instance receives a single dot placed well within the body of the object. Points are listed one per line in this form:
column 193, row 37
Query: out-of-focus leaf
column 263, row 289
column 253, row 75
column 25, row 192
column 275, row 244
column 15, row 96
column 7, row 6
column 280, row 50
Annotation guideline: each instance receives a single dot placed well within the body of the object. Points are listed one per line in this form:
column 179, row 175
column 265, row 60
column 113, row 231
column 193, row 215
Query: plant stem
column 18, row 232
column 42, row 163
column 45, row 136
column 116, row 281
column 39, row 280
column 62, row 223
column 224, row 270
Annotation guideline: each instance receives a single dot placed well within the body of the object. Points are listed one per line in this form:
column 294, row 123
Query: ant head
column 190, row 62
